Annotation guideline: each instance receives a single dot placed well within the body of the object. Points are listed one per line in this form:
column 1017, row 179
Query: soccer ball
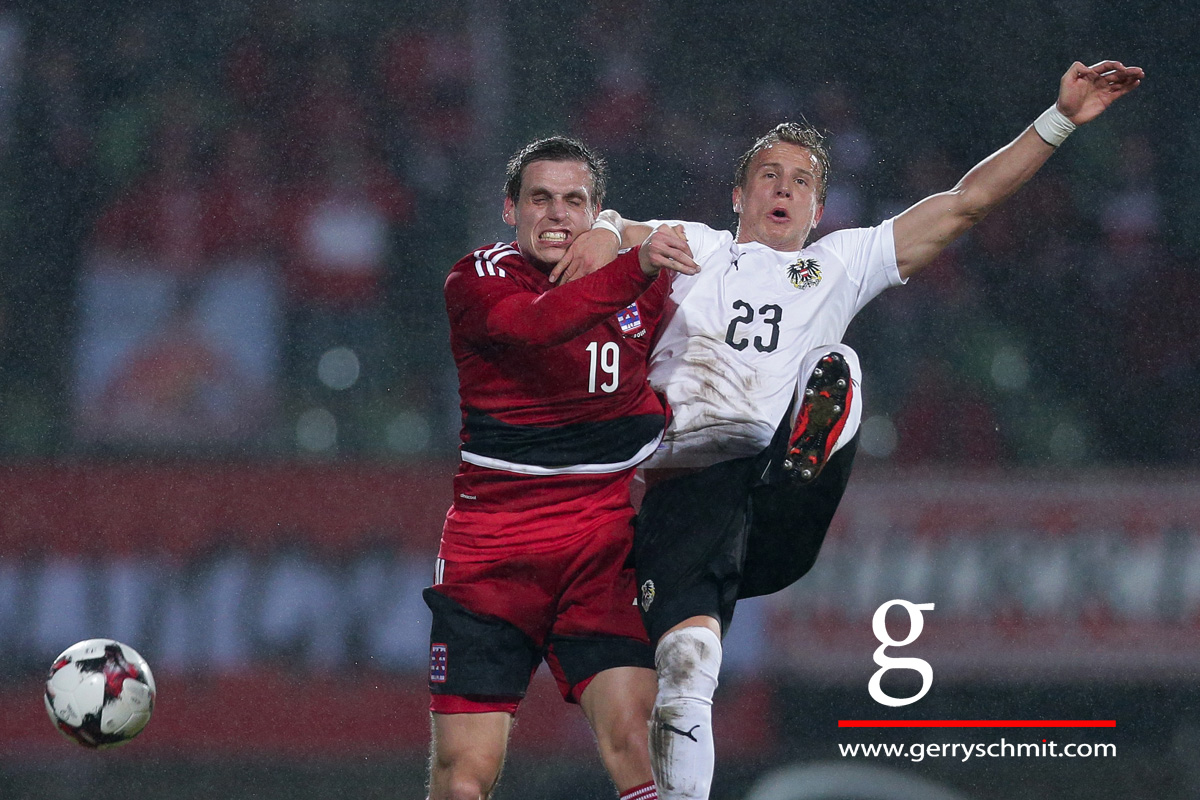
column 100, row 693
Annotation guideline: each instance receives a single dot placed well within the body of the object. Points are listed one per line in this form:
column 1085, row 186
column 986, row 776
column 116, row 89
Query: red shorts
column 495, row 621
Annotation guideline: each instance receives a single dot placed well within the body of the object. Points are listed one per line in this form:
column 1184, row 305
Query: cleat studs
column 818, row 372
column 841, row 384
column 806, row 473
column 837, row 409
column 809, row 392
column 788, row 463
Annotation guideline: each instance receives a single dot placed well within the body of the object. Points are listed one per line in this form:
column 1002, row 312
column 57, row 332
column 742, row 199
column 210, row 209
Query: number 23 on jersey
column 770, row 313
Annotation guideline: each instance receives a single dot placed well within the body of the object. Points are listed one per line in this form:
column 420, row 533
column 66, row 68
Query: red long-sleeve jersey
column 556, row 408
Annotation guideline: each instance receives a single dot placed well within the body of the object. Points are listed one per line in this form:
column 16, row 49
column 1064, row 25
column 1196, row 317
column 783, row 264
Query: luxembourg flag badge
column 438, row 658
column 629, row 319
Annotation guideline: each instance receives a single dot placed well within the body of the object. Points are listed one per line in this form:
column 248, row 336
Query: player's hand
column 1084, row 92
column 667, row 248
column 590, row 251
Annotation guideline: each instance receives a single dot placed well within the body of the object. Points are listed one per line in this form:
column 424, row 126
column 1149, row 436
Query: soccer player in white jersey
column 766, row 398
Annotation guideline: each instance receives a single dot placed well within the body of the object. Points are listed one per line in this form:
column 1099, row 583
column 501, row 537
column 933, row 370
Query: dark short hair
column 556, row 148
column 798, row 133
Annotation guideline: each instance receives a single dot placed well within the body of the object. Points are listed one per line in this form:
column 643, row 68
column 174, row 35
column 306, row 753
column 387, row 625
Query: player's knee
column 626, row 740
column 466, row 789
column 688, row 661
column 466, row 777
column 622, row 738
column 627, row 752
column 461, row 786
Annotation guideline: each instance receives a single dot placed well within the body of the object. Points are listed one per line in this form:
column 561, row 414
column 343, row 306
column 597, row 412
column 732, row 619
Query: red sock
column 646, row 791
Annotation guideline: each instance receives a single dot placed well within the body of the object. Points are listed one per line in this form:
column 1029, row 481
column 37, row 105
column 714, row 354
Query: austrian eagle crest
column 805, row 273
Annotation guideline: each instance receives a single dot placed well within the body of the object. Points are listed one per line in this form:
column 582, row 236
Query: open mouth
column 553, row 237
column 779, row 213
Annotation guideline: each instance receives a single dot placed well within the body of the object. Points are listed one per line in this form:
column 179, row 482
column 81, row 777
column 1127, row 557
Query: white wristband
column 603, row 224
column 606, row 222
column 1053, row 126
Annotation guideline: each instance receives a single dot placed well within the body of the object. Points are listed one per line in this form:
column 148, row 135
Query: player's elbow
column 970, row 204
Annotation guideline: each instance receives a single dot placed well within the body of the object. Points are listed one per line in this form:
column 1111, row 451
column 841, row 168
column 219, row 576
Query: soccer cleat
column 822, row 416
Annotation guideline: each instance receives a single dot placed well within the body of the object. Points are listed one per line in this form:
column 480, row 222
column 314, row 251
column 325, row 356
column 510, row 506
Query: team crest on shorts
column 438, row 657
column 805, row 273
column 647, row 595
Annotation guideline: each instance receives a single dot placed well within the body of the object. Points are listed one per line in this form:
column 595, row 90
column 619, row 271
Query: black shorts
column 733, row 530
column 485, row 659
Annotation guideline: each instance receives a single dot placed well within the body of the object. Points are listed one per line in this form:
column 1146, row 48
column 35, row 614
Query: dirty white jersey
column 729, row 352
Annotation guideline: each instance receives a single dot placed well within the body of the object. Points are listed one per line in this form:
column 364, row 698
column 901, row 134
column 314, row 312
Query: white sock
column 681, row 740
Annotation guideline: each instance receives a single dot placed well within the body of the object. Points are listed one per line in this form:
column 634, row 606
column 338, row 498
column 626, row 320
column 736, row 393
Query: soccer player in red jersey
column 557, row 413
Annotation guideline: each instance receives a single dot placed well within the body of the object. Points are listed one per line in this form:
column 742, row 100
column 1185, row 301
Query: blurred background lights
column 1068, row 444
column 338, row 368
column 316, row 431
column 1010, row 370
column 878, row 436
column 409, row 432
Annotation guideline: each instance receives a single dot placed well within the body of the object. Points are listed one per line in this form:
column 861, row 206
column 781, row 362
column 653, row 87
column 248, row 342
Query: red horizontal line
column 977, row 723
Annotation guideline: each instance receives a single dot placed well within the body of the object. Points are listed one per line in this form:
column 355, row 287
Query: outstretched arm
column 931, row 225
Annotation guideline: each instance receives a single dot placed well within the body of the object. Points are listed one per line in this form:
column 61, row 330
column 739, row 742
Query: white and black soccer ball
column 100, row 693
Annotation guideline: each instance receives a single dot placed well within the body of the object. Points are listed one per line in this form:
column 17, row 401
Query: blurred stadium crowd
column 225, row 227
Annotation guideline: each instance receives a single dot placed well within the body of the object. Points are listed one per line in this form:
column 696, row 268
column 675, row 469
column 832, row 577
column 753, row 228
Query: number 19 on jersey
column 605, row 359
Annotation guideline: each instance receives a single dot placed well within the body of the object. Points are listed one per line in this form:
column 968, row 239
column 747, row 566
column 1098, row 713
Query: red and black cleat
column 823, row 412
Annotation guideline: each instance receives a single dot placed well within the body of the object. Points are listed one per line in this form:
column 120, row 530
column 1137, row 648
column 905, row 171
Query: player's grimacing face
column 780, row 202
column 554, row 207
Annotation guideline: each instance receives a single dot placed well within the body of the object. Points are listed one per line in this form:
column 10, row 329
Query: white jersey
column 729, row 352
